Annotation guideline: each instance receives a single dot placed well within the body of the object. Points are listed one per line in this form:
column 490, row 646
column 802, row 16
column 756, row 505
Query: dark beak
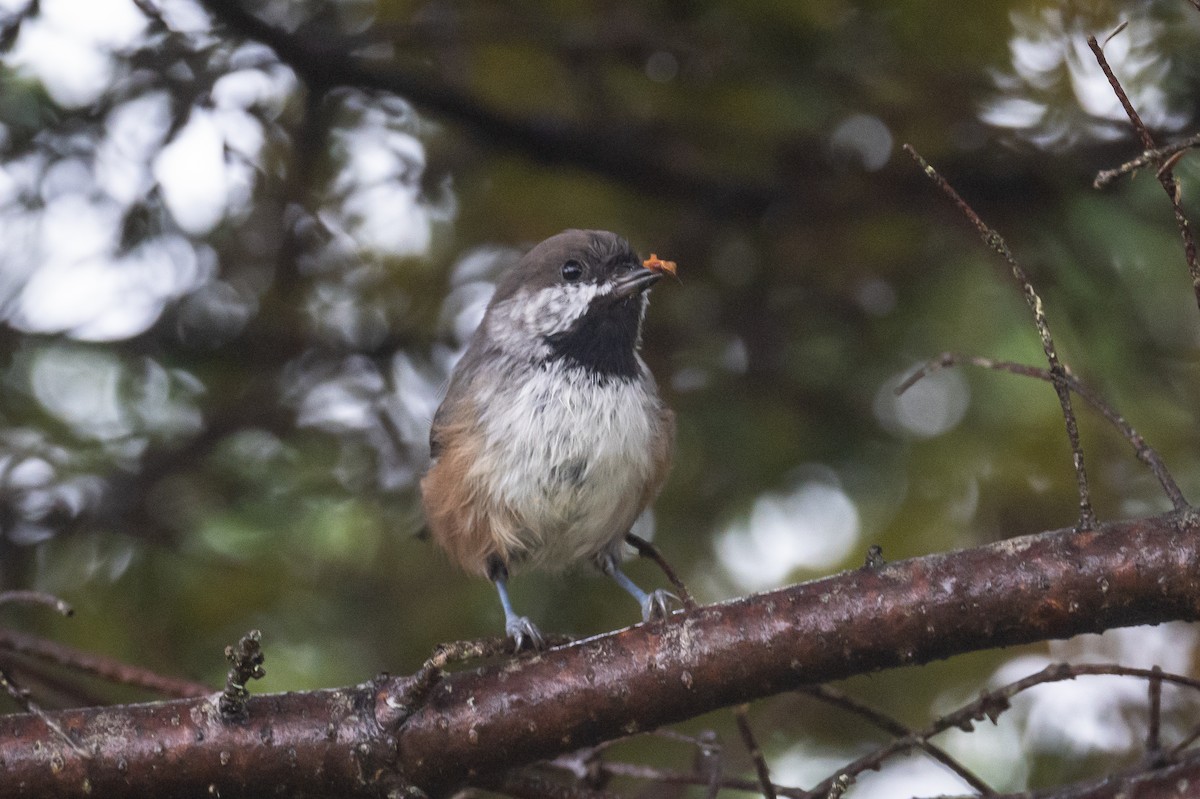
column 635, row 283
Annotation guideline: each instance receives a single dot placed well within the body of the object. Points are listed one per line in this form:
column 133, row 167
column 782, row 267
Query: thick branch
column 475, row 724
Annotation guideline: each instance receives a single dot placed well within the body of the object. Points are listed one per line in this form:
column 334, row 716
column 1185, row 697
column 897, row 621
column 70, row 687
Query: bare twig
column 740, row 715
column 1116, row 31
column 584, row 762
column 525, row 783
column 245, row 664
column 431, row 671
column 836, row 698
column 1144, row 452
column 588, row 765
column 648, row 550
column 1087, row 517
column 1165, row 176
column 1153, row 734
column 21, row 697
column 36, row 598
column 990, row 705
column 1153, row 156
column 709, row 762
column 51, row 685
column 444, row 654
column 659, row 776
column 98, row 665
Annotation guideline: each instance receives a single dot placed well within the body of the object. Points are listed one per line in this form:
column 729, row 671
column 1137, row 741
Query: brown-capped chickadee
column 552, row 438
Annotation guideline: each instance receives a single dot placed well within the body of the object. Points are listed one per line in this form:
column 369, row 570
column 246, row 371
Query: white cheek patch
column 543, row 312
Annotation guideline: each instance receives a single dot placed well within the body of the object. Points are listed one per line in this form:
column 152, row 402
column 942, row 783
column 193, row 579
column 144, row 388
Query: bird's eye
column 572, row 271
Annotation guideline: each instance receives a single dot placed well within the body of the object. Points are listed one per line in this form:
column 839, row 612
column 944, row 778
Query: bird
column 552, row 438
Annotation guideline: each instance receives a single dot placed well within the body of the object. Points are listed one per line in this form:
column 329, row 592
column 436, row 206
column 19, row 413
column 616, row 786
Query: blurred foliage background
column 232, row 289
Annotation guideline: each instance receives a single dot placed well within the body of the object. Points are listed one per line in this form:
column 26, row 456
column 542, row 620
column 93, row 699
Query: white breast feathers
column 570, row 453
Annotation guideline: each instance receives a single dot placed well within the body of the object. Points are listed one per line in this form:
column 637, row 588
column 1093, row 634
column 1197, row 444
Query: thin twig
column 674, row 777
column 105, row 668
column 581, row 763
column 836, row 698
column 709, row 762
column 648, row 550
column 1165, row 176
column 1116, row 31
column 1153, row 156
column 36, row 598
column 525, row 783
column 1144, row 452
column 1153, row 734
column 1087, row 517
column 990, row 705
column 21, row 697
column 434, row 667
column 431, row 671
column 49, row 684
column 741, row 716
column 588, row 764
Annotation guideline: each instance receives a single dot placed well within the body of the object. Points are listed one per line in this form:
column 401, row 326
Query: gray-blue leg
column 518, row 628
column 655, row 605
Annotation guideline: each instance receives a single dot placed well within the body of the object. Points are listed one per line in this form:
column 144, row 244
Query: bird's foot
column 521, row 630
column 656, row 606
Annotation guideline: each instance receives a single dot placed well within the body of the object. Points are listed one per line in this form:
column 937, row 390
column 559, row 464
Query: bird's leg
column 655, row 605
column 519, row 628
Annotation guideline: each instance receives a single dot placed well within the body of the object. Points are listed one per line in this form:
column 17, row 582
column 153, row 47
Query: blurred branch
column 472, row 724
column 618, row 152
column 742, row 716
column 527, row 784
column 36, row 598
column 1176, row 781
column 1154, row 733
column 95, row 665
column 662, row 776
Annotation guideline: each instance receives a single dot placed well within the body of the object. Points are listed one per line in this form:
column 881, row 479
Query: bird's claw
column 657, row 605
column 522, row 630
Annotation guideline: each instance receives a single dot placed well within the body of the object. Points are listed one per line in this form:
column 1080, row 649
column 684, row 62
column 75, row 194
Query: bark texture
column 367, row 740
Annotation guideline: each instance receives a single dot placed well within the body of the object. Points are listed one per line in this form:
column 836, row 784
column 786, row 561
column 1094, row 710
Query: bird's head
column 579, row 296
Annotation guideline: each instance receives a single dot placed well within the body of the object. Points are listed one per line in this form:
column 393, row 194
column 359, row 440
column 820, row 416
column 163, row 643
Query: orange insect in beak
column 656, row 264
